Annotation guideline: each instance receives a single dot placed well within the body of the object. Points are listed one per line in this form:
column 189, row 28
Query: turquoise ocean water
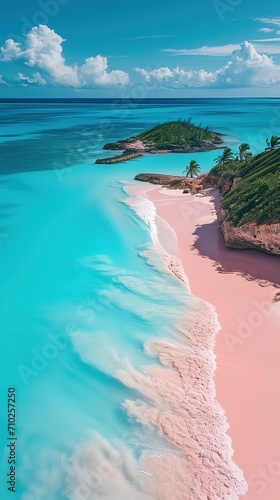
column 78, row 298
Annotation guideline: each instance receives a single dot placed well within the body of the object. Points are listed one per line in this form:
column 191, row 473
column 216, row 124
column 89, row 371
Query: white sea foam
column 182, row 405
column 145, row 209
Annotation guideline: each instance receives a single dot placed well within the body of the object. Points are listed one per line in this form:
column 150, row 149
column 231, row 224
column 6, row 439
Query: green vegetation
column 252, row 182
column 273, row 142
column 229, row 166
column 181, row 134
column 256, row 196
column 193, row 169
column 225, row 157
column 243, row 152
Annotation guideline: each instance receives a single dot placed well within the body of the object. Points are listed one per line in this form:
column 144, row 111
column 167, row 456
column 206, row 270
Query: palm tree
column 225, row 157
column 243, row 152
column 273, row 142
column 192, row 169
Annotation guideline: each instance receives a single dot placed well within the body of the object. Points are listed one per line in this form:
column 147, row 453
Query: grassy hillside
column 180, row 134
column 256, row 196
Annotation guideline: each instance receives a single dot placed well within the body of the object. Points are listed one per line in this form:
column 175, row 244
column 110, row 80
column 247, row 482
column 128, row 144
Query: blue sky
column 147, row 48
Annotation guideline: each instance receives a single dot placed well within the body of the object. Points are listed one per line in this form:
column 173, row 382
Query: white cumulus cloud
column 94, row 72
column 36, row 79
column 249, row 68
column 177, row 78
column 245, row 68
column 43, row 50
column 266, row 30
column 10, row 51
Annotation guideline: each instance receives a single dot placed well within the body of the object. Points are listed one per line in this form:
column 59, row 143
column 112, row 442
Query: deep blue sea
column 79, row 297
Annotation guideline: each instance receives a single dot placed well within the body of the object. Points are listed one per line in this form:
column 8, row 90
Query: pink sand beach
column 242, row 286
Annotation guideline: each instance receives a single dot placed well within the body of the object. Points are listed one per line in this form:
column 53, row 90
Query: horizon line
column 128, row 99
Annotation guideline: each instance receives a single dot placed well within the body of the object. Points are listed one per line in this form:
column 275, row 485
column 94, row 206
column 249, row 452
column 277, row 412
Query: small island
column 180, row 136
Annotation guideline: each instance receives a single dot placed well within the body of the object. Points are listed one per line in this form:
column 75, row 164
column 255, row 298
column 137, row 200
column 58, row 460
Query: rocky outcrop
column 125, row 156
column 264, row 237
column 224, row 185
column 187, row 184
column 149, row 147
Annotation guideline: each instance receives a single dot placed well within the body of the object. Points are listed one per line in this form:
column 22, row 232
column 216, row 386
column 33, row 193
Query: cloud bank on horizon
column 42, row 50
column 246, row 68
column 40, row 55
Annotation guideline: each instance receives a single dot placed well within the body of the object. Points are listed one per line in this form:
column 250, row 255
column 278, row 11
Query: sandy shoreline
column 179, row 396
column 248, row 346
